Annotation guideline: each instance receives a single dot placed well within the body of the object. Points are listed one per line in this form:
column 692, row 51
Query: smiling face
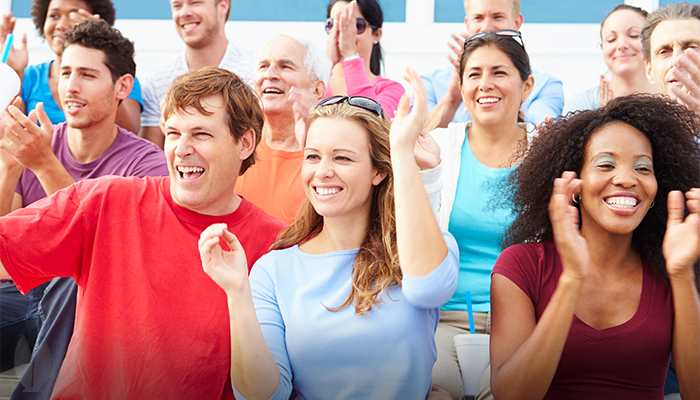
column 622, row 43
column 280, row 68
column 492, row 89
column 337, row 172
column 668, row 41
column 491, row 15
column 618, row 180
column 204, row 159
column 58, row 21
column 86, row 90
column 198, row 22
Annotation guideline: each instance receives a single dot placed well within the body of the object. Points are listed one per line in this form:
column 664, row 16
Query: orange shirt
column 273, row 183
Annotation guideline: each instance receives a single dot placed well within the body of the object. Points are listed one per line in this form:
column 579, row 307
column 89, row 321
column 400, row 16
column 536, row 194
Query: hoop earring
column 576, row 198
column 652, row 205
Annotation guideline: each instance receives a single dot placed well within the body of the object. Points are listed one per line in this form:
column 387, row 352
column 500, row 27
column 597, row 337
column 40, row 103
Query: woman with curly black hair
column 52, row 18
column 600, row 286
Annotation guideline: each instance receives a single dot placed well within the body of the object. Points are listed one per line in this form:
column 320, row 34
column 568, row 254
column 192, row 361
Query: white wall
column 568, row 51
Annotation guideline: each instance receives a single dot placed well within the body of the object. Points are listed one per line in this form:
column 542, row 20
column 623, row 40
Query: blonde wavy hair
column 376, row 265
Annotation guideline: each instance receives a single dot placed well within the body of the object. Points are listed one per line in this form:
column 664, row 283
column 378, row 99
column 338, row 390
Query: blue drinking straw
column 470, row 312
column 8, row 45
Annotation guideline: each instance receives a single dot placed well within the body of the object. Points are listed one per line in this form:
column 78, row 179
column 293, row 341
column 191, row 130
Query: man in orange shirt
column 273, row 182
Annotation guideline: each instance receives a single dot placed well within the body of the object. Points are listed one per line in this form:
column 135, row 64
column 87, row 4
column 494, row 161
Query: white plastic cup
column 9, row 86
column 473, row 356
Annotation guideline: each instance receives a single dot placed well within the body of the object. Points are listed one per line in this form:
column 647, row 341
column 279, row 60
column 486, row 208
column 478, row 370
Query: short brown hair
column 99, row 35
column 241, row 107
column 669, row 12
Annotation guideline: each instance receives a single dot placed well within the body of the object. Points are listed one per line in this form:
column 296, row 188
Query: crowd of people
column 296, row 226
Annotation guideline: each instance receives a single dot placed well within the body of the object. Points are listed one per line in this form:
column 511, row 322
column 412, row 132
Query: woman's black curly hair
column 673, row 132
column 40, row 11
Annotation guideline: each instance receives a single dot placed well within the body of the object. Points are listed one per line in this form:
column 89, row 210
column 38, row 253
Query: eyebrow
column 334, row 150
column 609, row 153
column 80, row 68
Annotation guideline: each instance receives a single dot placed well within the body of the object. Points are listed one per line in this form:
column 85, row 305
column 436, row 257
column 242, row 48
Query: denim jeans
column 19, row 324
column 57, row 313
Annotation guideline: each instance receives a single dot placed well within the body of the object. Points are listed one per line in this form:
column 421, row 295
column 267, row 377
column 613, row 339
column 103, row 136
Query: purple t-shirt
column 129, row 155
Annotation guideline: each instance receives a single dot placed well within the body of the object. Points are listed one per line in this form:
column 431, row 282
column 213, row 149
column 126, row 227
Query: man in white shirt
column 200, row 24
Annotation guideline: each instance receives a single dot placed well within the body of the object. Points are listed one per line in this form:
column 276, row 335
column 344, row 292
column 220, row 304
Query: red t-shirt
column 627, row 361
column 150, row 324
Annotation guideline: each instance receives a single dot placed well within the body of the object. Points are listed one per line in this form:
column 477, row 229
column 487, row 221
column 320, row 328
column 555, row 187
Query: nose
column 185, row 10
column 486, row 82
column 324, row 169
column 71, row 84
column 183, row 147
column 64, row 23
column 489, row 25
column 625, row 178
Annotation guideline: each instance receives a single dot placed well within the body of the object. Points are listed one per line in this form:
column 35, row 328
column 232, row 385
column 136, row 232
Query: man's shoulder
column 238, row 61
column 544, row 78
column 440, row 76
column 166, row 73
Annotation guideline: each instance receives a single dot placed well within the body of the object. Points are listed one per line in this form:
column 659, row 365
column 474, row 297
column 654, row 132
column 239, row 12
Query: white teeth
column 487, row 100
column 622, row 202
column 327, row 191
column 188, row 26
column 273, row 91
column 190, row 169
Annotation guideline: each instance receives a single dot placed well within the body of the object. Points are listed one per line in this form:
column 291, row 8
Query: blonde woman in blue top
column 347, row 303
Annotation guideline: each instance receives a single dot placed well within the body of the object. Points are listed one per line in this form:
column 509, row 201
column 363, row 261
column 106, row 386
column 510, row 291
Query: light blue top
column 546, row 98
column 477, row 222
column 586, row 100
column 387, row 354
column 35, row 89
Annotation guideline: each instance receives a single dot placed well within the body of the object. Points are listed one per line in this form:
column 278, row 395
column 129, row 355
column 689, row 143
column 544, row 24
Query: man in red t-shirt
column 150, row 323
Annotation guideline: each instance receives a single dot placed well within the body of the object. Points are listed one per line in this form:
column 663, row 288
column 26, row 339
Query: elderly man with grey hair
column 286, row 66
column 671, row 45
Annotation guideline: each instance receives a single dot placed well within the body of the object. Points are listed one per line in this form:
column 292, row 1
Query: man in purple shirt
column 36, row 160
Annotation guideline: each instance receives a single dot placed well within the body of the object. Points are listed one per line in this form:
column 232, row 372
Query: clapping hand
column 687, row 71
column 605, row 92
column 409, row 123
column 681, row 245
column 19, row 56
column 229, row 269
column 571, row 246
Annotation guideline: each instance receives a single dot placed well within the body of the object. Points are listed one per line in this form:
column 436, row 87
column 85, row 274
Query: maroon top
column 627, row 361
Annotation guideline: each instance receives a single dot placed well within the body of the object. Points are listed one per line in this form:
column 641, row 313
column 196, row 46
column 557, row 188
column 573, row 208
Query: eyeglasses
column 357, row 101
column 360, row 24
column 516, row 35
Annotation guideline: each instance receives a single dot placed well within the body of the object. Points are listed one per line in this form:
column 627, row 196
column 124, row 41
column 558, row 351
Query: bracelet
column 352, row 57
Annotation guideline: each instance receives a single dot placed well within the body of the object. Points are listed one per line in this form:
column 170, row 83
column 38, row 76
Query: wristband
column 352, row 57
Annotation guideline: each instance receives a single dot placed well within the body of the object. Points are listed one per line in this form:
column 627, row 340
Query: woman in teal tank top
column 475, row 157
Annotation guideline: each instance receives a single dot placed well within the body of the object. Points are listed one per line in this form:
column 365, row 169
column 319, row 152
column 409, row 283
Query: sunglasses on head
column 516, row 35
column 358, row 101
column 360, row 24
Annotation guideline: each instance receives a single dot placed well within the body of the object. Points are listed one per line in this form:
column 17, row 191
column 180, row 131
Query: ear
column 377, row 34
column 123, row 85
column 378, row 177
column 527, row 87
column 466, row 23
column 247, row 144
column 519, row 22
column 223, row 7
column 319, row 90
column 650, row 77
